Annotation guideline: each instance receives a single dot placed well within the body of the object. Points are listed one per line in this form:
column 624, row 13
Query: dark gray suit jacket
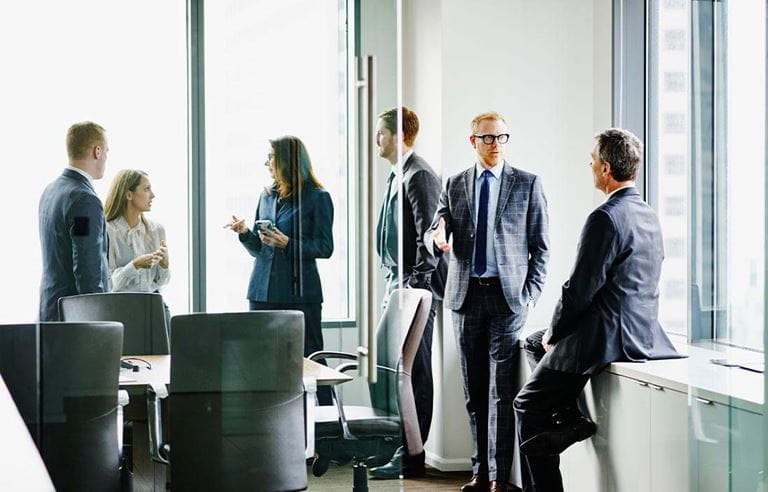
column 609, row 306
column 73, row 237
column 421, row 191
column 521, row 236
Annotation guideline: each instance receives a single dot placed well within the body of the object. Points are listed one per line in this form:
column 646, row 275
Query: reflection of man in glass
column 419, row 193
column 607, row 312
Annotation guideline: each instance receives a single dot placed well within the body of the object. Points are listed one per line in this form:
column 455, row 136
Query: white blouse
column 125, row 245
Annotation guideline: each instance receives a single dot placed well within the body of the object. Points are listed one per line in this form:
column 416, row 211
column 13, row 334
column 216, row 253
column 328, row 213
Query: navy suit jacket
column 290, row 275
column 73, row 237
column 521, row 236
column 608, row 310
column 421, row 190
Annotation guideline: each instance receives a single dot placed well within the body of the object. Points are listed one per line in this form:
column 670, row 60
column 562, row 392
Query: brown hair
column 410, row 124
column 293, row 169
column 125, row 181
column 82, row 137
column 489, row 115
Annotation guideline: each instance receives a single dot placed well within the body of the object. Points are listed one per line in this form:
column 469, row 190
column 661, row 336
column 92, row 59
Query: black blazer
column 74, row 242
column 608, row 310
column 290, row 275
column 421, row 192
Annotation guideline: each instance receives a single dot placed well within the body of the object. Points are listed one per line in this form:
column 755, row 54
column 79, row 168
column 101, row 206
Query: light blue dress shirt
column 492, row 269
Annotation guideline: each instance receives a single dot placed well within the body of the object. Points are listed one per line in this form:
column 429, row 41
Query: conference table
column 155, row 372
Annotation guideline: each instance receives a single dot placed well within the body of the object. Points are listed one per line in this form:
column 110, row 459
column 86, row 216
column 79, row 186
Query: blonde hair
column 82, row 137
column 125, row 181
column 489, row 115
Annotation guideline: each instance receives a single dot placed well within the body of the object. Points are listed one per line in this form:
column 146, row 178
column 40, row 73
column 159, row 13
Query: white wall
column 545, row 66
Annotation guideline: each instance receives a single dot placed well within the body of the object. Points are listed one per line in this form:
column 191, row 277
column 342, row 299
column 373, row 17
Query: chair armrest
column 122, row 398
column 155, row 394
column 328, row 354
column 352, row 366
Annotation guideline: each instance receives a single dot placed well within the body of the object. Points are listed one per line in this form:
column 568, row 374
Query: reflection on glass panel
column 669, row 154
column 83, row 60
column 273, row 69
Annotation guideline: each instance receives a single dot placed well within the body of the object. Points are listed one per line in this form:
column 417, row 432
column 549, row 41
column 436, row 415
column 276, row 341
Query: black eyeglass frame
column 488, row 139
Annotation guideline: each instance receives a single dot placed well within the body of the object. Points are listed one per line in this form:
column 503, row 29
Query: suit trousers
column 487, row 332
column 546, row 392
column 421, row 375
column 313, row 332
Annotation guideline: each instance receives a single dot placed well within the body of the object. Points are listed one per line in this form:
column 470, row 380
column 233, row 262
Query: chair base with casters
column 370, row 435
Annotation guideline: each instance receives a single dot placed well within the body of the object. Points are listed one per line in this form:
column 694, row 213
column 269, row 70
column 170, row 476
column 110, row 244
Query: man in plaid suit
column 497, row 217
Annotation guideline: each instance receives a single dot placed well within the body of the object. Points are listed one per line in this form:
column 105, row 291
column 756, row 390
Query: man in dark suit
column 607, row 312
column 497, row 216
column 72, row 225
column 418, row 194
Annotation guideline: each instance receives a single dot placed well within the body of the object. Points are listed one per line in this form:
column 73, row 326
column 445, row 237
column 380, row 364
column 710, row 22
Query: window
column 707, row 162
column 82, row 60
column 273, row 68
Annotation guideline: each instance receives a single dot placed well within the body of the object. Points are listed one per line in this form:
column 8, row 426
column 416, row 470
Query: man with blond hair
column 72, row 226
column 496, row 215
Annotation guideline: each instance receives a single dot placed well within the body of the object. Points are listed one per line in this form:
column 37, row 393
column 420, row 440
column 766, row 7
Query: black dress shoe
column 400, row 465
column 478, row 483
column 554, row 442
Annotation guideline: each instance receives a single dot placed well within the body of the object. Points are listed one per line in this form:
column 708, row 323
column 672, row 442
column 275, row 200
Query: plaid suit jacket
column 521, row 236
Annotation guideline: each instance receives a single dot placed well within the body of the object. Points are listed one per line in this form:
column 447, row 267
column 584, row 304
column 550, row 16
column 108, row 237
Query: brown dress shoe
column 499, row 487
column 477, row 484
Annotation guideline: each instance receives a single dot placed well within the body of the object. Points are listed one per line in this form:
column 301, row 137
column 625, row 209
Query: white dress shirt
column 491, row 268
column 125, row 245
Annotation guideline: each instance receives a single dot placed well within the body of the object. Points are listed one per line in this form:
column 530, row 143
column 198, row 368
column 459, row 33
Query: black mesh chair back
column 78, row 370
column 142, row 315
column 236, row 412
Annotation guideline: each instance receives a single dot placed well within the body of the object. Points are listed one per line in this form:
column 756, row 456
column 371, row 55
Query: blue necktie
column 482, row 224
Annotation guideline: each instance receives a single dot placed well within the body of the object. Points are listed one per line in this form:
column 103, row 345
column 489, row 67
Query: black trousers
column 486, row 335
column 546, row 392
column 313, row 332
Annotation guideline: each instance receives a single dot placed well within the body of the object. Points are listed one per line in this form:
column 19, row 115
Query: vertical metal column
column 196, row 149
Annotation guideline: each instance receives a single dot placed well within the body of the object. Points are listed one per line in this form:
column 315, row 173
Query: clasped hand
column 151, row 259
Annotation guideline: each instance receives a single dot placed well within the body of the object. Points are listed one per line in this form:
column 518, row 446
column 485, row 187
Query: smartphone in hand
column 265, row 224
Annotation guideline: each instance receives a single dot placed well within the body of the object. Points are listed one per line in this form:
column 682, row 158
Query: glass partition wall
column 706, row 118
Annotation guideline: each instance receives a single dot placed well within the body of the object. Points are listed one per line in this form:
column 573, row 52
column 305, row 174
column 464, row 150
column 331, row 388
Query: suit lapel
column 505, row 190
column 469, row 191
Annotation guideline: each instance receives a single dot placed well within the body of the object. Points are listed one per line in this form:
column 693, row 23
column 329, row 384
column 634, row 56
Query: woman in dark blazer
column 293, row 228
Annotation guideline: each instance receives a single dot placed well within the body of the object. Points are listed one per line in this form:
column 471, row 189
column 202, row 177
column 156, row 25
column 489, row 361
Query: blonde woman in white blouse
column 138, row 255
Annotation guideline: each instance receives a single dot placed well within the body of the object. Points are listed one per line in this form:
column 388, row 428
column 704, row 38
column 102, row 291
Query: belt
column 485, row 281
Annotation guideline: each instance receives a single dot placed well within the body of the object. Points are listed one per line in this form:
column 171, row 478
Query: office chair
column 75, row 369
column 236, row 403
column 141, row 313
column 372, row 434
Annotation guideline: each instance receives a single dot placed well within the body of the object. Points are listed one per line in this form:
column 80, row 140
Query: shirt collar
column 617, row 189
column 122, row 225
column 80, row 171
column 495, row 170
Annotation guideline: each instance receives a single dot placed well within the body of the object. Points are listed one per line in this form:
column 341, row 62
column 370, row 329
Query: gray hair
column 622, row 150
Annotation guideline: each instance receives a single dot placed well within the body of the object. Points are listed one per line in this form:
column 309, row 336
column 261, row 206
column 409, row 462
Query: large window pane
column 272, row 68
column 107, row 61
column 668, row 154
column 707, row 161
column 745, row 168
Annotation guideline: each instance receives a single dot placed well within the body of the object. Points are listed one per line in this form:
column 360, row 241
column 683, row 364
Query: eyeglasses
column 488, row 139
